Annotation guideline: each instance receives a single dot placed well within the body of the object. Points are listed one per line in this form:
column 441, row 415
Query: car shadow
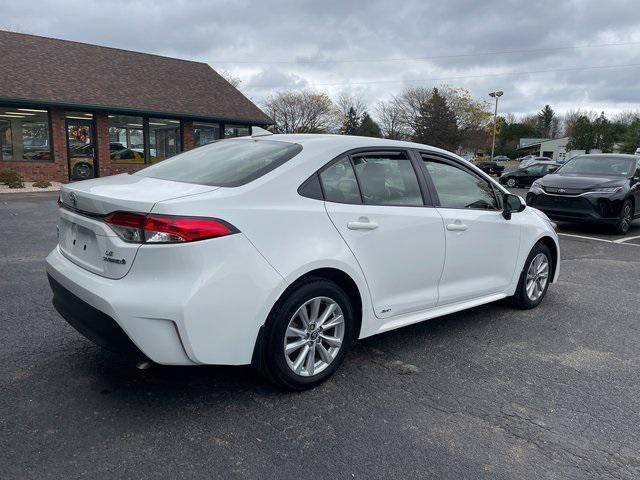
column 121, row 379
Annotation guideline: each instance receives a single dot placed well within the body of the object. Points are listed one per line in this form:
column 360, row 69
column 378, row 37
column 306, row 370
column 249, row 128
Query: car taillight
column 141, row 228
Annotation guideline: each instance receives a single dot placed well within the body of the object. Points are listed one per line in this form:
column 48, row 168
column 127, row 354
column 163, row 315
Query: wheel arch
column 333, row 274
column 551, row 244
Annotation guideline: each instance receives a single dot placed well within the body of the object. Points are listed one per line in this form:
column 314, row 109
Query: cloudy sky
column 377, row 47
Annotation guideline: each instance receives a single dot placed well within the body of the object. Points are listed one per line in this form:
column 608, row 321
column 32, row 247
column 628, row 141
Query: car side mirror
column 512, row 204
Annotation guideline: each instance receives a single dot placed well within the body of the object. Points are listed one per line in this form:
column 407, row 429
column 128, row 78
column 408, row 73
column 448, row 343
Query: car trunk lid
column 83, row 236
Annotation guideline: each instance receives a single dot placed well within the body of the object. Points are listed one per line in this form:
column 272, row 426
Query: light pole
column 495, row 95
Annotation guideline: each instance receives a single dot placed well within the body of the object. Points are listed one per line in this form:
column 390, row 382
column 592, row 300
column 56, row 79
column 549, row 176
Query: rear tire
column 511, row 183
column 626, row 217
column 298, row 353
column 534, row 278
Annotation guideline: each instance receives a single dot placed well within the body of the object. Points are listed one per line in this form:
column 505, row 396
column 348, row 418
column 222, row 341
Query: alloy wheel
column 314, row 336
column 82, row 171
column 511, row 182
column 626, row 217
column 537, row 276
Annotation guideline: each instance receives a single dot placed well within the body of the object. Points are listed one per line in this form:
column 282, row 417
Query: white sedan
column 281, row 250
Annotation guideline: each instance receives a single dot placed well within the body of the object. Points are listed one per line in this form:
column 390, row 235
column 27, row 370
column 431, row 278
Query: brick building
column 71, row 111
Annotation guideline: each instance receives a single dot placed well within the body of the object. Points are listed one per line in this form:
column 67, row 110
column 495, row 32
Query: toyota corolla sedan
column 598, row 188
column 281, row 250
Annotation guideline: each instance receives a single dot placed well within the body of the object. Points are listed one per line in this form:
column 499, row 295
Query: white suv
column 280, row 251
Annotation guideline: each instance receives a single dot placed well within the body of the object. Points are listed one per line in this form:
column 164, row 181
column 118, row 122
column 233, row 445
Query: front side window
column 535, row 169
column 387, row 179
column 226, row 163
column 339, row 182
column 24, row 135
column 458, row 188
column 126, row 139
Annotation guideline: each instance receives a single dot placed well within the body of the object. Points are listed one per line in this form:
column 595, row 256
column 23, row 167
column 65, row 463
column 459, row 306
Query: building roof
column 70, row 74
column 540, row 142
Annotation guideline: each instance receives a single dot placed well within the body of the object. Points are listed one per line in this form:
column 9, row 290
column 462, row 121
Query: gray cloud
column 320, row 44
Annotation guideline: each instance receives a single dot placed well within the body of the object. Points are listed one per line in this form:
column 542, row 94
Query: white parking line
column 619, row 241
column 587, row 238
column 626, row 239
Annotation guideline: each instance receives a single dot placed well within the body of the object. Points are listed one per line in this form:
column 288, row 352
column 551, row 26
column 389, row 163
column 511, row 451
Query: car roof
column 347, row 141
column 609, row 155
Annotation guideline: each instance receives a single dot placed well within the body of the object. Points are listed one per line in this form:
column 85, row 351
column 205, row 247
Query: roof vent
column 260, row 132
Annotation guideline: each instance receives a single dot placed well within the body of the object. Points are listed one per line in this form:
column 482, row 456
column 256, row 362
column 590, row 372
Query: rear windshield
column 225, row 163
column 598, row 165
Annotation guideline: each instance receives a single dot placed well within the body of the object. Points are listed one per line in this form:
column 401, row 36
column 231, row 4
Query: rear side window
column 339, row 182
column 387, row 179
column 225, row 163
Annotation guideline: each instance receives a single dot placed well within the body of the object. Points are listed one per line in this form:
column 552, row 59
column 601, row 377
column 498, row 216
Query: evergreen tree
column 545, row 121
column 603, row 134
column 581, row 136
column 368, row 127
column 437, row 124
column 350, row 123
column 631, row 137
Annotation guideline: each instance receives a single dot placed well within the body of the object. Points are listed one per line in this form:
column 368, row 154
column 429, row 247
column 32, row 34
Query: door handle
column 363, row 223
column 457, row 227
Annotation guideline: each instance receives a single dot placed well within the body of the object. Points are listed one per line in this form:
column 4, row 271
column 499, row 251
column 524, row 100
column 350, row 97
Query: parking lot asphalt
column 486, row 393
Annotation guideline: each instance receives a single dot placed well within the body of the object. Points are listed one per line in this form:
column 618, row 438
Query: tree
column 472, row 116
column 630, row 139
column 388, row 114
column 346, row 101
column 581, row 136
column 603, row 134
column 229, row 77
column 368, row 127
column 545, row 121
column 303, row 111
column 350, row 123
column 437, row 124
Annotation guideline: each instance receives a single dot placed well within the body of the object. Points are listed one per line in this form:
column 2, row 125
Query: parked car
column 524, row 177
column 532, row 160
column 281, row 250
column 638, row 151
column 501, row 158
column 603, row 188
column 492, row 168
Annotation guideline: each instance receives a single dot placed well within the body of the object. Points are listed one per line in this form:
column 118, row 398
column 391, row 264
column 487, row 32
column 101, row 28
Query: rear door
column 481, row 245
column 376, row 201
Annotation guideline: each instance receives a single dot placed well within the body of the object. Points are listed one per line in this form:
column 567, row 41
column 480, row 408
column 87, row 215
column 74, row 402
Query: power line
column 432, row 57
column 460, row 77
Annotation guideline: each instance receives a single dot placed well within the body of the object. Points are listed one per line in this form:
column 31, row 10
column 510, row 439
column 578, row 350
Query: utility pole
column 495, row 95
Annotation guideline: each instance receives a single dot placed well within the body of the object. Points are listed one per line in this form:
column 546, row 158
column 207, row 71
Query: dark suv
column 599, row 188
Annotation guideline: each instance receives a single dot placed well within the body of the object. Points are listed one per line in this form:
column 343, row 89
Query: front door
column 375, row 202
column 81, row 149
column 482, row 246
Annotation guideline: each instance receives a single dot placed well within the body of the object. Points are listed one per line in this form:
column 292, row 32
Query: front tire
column 511, row 183
column 626, row 217
column 307, row 335
column 534, row 279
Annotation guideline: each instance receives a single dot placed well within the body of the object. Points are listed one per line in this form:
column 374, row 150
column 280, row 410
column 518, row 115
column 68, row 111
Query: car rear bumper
column 198, row 303
column 97, row 326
